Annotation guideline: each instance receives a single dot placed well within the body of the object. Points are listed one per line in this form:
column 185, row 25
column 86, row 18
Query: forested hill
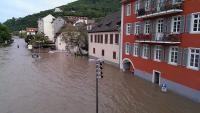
column 89, row 8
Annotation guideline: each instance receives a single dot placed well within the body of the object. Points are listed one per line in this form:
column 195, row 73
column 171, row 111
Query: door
column 156, row 77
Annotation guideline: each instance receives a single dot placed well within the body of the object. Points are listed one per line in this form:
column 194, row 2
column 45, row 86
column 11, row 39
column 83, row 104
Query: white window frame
column 176, row 27
column 147, row 27
column 137, row 6
column 189, row 58
column 145, row 51
column 157, row 53
column 160, row 24
column 137, row 28
column 128, row 28
column 128, row 10
column 147, row 5
column 136, row 49
column 192, row 22
column 173, row 54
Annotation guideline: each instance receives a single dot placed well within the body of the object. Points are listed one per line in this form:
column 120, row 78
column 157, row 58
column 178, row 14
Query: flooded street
column 58, row 83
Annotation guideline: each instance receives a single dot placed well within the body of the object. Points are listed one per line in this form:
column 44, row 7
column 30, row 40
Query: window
column 137, row 28
column 194, row 58
column 106, row 38
column 160, row 26
column 176, row 24
column 116, row 38
column 137, row 6
column 101, row 39
column 111, row 38
column 128, row 29
column 98, row 38
column 147, row 27
column 173, row 58
column 95, row 39
column 147, row 5
column 128, row 9
column 127, row 49
column 114, row 55
column 91, row 38
column 136, row 50
column 145, row 52
column 93, row 50
column 157, row 53
column 196, row 22
column 102, row 52
column 177, row 1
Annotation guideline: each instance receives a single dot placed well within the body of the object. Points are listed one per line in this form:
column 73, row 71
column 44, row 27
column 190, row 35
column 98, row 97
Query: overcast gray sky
column 21, row 8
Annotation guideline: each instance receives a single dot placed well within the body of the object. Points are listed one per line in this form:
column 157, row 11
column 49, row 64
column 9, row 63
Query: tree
column 4, row 33
column 37, row 40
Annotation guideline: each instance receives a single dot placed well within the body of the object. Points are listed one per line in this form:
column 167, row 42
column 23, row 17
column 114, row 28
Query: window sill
column 157, row 60
column 193, row 68
column 135, row 55
column 194, row 32
column 171, row 63
column 144, row 57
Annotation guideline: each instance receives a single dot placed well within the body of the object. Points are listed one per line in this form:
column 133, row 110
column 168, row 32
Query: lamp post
column 99, row 75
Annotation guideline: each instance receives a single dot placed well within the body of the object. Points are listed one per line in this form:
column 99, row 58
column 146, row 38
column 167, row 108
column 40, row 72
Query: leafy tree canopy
column 4, row 33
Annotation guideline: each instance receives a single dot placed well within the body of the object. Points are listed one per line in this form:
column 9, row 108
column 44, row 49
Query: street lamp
column 99, row 75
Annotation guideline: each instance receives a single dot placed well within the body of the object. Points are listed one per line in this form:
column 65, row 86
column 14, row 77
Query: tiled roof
column 108, row 24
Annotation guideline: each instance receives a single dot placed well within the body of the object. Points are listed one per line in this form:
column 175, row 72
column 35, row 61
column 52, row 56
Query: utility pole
column 99, row 75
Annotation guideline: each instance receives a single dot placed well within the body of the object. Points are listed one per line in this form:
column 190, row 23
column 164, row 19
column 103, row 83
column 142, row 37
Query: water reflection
column 58, row 83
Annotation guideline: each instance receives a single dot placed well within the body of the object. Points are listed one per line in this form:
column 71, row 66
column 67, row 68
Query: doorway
column 156, row 77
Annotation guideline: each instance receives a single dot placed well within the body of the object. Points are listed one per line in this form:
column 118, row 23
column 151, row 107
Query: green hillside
column 89, row 8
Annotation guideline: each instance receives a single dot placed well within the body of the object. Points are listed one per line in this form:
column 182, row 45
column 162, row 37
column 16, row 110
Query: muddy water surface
column 58, row 83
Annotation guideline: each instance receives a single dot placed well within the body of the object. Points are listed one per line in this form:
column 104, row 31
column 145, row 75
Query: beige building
column 104, row 39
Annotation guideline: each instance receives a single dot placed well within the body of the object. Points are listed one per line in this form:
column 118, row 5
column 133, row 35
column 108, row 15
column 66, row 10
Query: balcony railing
column 158, row 9
column 165, row 39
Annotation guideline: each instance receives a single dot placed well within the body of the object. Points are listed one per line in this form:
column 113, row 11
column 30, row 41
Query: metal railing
column 156, row 7
column 166, row 37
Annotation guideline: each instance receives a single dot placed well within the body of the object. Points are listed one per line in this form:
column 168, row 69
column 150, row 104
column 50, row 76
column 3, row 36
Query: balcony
column 170, row 39
column 159, row 9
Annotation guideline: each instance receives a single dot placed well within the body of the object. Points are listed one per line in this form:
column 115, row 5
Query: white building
column 60, row 43
column 31, row 31
column 50, row 25
column 104, row 39
column 57, row 10
column 45, row 26
column 57, row 24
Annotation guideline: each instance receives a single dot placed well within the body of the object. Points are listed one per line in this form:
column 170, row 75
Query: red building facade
column 161, row 43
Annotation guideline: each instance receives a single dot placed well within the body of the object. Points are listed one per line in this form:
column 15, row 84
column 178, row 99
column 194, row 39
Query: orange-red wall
column 179, row 74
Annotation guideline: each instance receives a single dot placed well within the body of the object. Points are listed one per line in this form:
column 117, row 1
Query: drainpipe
column 121, row 37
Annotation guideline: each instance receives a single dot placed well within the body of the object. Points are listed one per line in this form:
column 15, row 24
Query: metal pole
column 97, row 98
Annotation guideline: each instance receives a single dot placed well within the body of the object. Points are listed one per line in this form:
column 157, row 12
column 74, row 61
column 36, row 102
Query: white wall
column 40, row 26
column 108, row 48
column 48, row 29
column 60, row 44
column 58, row 23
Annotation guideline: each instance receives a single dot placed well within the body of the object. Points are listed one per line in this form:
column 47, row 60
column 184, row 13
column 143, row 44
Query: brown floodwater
column 58, row 83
